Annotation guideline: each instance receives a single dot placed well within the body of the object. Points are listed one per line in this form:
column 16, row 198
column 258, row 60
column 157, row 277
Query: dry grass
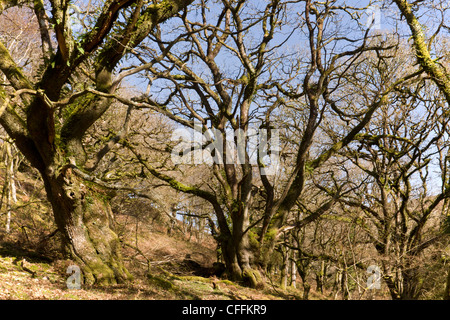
column 49, row 283
column 25, row 276
column 32, row 269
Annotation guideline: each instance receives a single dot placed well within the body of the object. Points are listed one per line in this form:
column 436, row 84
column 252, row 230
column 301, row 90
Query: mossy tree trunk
column 84, row 218
column 403, row 281
column 432, row 66
column 233, row 223
column 238, row 267
column 238, row 256
column 53, row 141
column 250, row 274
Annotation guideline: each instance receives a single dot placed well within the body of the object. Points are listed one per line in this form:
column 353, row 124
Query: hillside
column 166, row 263
column 25, row 274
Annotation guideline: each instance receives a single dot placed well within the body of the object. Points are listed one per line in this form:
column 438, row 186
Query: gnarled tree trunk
column 84, row 218
column 237, row 253
column 47, row 138
column 238, row 265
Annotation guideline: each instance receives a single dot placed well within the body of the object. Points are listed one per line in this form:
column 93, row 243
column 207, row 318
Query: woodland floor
column 166, row 265
column 27, row 275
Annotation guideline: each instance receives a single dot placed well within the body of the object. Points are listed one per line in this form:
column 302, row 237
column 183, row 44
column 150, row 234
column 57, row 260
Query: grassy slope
column 31, row 269
column 24, row 277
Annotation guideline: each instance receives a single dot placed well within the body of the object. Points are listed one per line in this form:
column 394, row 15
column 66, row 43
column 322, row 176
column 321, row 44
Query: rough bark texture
column 432, row 67
column 237, row 262
column 236, row 252
column 80, row 209
column 84, row 217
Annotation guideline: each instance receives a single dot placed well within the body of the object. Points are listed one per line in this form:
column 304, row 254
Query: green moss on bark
column 252, row 278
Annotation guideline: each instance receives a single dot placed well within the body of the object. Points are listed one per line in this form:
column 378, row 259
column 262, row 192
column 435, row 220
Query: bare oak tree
column 224, row 66
column 48, row 114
